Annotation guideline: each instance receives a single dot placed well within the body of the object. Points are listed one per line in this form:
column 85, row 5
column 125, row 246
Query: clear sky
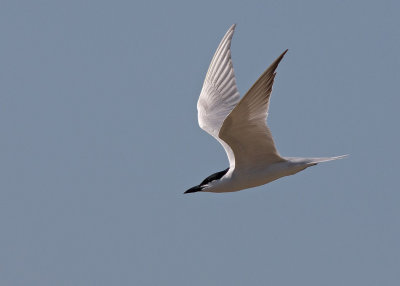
column 99, row 139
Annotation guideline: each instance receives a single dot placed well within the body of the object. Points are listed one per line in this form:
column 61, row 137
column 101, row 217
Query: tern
column 240, row 126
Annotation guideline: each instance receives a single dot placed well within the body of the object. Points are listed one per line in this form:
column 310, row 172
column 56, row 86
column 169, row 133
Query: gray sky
column 99, row 139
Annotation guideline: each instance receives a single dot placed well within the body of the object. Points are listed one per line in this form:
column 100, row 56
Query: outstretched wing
column 219, row 94
column 245, row 129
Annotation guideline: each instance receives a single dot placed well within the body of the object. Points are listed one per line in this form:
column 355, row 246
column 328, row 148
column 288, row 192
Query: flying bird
column 239, row 124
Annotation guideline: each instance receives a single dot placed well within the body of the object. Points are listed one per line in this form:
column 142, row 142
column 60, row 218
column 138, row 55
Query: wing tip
column 229, row 33
column 275, row 64
column 281, row 56
column 226, row 40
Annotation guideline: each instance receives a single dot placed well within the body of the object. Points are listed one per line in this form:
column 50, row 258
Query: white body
column 236, row 180
column 239, row 124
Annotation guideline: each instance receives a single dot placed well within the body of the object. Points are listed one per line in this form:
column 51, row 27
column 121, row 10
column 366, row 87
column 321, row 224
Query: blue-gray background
column 99, row 139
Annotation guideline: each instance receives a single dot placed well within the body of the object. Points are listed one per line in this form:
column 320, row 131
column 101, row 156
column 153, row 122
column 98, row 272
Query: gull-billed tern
column 240, row 126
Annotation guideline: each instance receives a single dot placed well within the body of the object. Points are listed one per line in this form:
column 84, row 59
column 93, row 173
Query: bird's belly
column 253, row 178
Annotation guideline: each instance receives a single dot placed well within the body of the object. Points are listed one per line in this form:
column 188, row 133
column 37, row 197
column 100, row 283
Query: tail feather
column 315, row 161
column 325, row 159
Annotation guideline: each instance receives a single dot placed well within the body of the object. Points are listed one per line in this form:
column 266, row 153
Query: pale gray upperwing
column 245, row 129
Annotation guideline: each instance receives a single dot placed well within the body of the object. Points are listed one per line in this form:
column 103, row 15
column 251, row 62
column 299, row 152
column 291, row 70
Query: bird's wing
column 245, row 129
column 219, row 94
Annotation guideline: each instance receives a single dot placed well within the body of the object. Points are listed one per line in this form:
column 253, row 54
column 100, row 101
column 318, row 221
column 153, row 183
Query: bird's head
column 208, row 183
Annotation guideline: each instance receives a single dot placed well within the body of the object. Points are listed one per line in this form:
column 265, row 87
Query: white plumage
column 240, row 126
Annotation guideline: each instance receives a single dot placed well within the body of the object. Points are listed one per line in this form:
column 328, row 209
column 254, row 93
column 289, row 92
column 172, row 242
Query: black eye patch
column 213, row 177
